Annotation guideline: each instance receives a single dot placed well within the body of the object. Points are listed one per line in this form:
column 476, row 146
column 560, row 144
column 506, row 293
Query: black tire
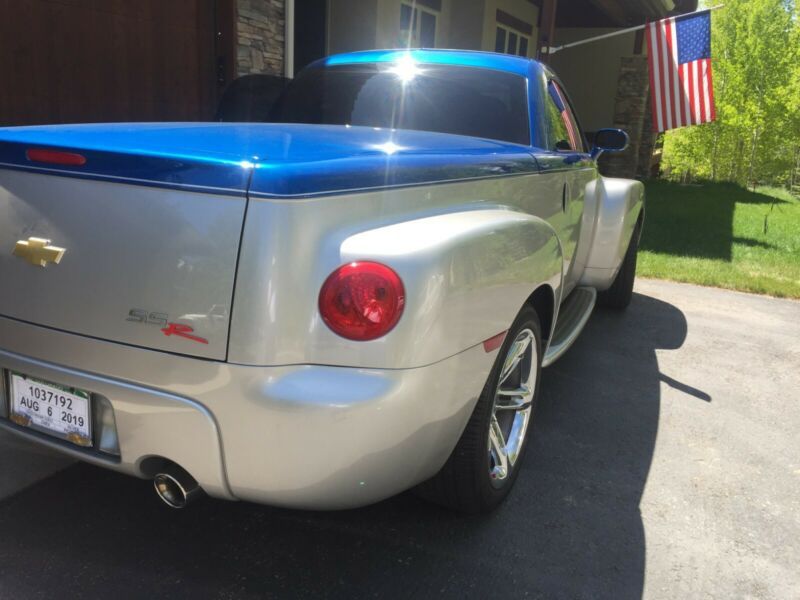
column 619, row 295
column 464, row 483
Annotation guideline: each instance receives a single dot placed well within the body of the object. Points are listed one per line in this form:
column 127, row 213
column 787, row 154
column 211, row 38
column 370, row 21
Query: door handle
column 565, row 197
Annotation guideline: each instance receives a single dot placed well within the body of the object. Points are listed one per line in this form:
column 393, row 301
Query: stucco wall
column 260, row 36
column 352, row 25
column 610, row 86
column 591, row 72
column 466, row 25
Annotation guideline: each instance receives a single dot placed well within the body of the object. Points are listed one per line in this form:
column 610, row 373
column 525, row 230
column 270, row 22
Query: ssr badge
column 161, row 320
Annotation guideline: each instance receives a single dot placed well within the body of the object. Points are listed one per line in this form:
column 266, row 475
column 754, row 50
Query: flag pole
column 552, row 50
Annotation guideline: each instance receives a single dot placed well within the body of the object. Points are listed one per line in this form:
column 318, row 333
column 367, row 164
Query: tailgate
column 146, row 263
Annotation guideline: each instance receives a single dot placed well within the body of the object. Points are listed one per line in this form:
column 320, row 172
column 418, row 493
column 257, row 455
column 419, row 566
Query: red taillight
column 55, row 157
column 362, row 300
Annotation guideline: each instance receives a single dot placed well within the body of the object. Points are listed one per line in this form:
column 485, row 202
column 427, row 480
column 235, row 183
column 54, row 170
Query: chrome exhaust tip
column 176, row 488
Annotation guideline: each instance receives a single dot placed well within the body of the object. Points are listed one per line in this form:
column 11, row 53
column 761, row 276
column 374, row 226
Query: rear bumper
column 301, row 436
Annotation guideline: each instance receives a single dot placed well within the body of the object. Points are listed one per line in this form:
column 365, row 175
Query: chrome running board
column 572, row 317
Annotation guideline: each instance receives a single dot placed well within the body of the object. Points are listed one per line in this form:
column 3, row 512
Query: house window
column 510, row 41
column 418, row 26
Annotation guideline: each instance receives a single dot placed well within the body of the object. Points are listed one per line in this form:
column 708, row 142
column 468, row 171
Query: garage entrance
column 67, row 61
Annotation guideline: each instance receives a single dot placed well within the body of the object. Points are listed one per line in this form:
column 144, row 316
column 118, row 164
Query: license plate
column 51, row 408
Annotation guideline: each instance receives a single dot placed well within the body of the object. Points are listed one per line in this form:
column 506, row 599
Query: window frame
column 414, row 40
column 520, row 36
column 578, row 144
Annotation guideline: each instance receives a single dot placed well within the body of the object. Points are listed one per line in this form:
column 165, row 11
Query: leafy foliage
column 757, row 85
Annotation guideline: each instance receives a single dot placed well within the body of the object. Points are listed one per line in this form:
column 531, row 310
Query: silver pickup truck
column 322, row 311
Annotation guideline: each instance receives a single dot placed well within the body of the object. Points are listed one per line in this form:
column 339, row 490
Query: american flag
column 681, row 83
column 561, row 103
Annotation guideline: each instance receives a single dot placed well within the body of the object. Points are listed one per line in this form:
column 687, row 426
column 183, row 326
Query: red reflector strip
column 55, row 157
column 493, row 343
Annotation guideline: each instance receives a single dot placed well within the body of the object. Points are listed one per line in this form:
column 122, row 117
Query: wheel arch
column 543, row 301
column 620, row 209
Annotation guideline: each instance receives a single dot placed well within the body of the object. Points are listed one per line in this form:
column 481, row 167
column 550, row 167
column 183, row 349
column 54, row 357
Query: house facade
column 130, row 60
column 497, row 25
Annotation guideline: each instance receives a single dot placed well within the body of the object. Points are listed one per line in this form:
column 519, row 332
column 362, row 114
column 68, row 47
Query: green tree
column 756, row 49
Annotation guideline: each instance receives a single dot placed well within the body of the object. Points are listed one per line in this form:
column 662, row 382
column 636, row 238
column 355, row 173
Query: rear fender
column 467, row 275
column 620, row 203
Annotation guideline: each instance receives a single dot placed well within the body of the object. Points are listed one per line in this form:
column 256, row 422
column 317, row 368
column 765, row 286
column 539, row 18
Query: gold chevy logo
column 38, row 251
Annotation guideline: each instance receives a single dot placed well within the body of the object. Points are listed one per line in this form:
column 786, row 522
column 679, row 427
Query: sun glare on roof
column 389, row 148
column 405, row 68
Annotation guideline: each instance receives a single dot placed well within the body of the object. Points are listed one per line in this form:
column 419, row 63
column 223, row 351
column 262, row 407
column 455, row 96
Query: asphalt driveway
column 665, row 464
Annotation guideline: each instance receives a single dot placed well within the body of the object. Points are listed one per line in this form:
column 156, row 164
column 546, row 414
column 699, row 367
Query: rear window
column 444, row 99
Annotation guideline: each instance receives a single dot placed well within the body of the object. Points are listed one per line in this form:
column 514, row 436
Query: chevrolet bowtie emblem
column 38, row 251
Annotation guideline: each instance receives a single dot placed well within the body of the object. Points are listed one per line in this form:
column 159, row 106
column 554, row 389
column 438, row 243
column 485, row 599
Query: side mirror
column 609, row 140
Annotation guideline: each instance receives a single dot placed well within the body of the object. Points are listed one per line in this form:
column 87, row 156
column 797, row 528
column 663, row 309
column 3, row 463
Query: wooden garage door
column 68, row 61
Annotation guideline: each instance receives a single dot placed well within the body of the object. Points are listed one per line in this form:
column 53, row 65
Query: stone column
column 648, row 140
column 632, row 113
column 260, row 37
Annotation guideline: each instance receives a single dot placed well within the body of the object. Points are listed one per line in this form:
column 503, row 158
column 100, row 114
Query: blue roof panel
column 463, row 58
column 284, row 159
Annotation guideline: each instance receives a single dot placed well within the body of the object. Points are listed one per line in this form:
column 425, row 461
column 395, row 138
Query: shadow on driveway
column 572, row 527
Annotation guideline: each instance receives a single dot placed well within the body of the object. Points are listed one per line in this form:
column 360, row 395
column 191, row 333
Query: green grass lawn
column 714, row 234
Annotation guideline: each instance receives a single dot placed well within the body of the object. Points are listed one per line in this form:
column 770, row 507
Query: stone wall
column 632, row 113
column 261, row 35
column 647, row 142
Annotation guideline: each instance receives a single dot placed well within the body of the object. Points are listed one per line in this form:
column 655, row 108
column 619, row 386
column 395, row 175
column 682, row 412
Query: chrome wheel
column 513, row 402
